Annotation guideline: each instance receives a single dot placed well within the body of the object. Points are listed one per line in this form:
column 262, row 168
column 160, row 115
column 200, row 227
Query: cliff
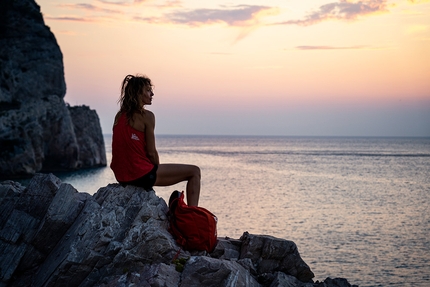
column 52, row 235
column 38, row 131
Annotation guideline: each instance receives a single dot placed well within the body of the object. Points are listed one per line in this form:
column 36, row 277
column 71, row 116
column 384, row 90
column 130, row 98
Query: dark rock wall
column 37, row 132
column 30, row 59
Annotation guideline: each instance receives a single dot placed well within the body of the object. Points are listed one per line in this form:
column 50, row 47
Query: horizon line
column 292, row 136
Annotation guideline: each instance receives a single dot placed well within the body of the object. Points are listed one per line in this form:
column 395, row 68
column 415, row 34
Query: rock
column 53, row 235
column 336, row 282
column 37, row 132
column 227, row 248
column 283, row 280
column 31, row 60
column 156, row 275
column 271, row 254
column 206, row 271
column 89, row 136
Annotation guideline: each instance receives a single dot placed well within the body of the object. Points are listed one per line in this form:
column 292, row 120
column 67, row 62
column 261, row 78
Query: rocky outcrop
column 52, row 235
column 86, row 125
column 37, row 132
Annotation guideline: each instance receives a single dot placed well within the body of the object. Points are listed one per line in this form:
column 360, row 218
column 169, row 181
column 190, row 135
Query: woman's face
column 145, row 97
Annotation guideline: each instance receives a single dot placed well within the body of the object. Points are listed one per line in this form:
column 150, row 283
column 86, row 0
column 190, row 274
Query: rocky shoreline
column 53, row 235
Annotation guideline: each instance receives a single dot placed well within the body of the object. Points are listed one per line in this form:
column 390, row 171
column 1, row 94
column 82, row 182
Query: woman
column 134, row 155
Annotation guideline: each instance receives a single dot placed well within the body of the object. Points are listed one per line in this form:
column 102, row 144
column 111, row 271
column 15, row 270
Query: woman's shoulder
column 147, row 115
column 143, row 119
column 145, row 112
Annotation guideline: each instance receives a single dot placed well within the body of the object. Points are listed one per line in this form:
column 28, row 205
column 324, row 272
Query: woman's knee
column 196, row 171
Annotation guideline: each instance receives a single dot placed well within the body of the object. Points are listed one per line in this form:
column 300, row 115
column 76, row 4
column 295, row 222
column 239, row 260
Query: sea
column 356, row 207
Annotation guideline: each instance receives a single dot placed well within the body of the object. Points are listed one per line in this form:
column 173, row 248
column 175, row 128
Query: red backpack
column 194, row 228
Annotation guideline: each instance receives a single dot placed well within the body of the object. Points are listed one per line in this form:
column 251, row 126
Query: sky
column 288, row 68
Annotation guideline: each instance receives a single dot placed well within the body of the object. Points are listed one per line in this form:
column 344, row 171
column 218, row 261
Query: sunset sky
column 302, row 67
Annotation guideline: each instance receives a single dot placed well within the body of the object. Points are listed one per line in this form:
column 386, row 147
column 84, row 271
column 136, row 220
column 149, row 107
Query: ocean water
column 357, row 208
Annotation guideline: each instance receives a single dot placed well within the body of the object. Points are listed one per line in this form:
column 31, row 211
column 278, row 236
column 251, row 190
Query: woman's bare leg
column 170, row 174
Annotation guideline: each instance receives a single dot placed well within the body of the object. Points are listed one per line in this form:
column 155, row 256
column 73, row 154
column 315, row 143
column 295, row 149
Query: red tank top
column 129, row 157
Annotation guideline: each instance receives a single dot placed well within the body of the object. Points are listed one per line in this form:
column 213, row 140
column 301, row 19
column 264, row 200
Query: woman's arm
column 150, row 138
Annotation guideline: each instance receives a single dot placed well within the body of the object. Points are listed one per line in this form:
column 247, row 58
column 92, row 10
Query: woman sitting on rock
column 134, row 155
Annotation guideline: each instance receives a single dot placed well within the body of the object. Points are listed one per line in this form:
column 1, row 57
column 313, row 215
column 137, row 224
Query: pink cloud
column 240, row 15
column 342, row 10
column 70, row 18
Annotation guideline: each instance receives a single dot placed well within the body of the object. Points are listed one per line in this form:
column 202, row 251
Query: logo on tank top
column 134, row 137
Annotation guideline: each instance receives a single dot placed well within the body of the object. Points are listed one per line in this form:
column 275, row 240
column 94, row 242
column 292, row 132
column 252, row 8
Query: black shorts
column 147, row 181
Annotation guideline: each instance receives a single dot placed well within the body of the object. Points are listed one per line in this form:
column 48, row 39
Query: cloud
column 246, row 17
column 149, row 20
column 242, row 15
column 342, row 10
column 123, row 3
column 88, row 7
column 91, row 13
column 166, row 4
column 69, row 18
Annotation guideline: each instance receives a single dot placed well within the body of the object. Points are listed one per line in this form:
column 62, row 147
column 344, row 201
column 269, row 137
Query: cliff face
column 37, row 131
column 52, row 235
column 88, row 131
